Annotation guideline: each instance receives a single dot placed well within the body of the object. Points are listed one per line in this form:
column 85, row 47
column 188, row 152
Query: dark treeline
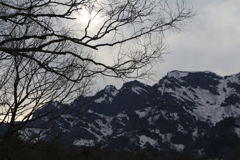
column 47, row 151
column 54, row 151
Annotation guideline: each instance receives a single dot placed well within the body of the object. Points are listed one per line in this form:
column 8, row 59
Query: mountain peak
column 180, row 74
column 135, row 86
column 177, row 74
column 234, row 78
column 111, row 90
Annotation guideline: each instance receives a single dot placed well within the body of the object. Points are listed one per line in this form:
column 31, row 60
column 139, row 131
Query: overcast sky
column 211, row 42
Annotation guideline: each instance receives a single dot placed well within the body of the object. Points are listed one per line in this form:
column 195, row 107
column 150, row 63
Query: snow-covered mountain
column 170, row 115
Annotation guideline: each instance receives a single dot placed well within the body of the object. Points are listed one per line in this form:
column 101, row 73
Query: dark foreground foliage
column 54, row 151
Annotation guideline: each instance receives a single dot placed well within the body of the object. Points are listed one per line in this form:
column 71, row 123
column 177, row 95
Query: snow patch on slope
column 169, row 116
column 102, row 124
column 181, row 129
column 143, row 113
column 70, row 119
column 105, row 128
column 105, row 98
column 144, row 139
column 178, row 147
column 83, row 142
column 27, row 134
column 237, row 131
column 214, row 113
column 234, row 78
column 122, row 115
column 111, row 90
column 138, row 90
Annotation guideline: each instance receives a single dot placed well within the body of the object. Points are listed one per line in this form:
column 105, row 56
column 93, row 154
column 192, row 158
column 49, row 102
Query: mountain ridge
column 169, row 115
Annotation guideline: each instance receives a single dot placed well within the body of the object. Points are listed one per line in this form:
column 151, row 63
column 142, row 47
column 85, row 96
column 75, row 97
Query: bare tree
column 141, row 22
column 52, row 49
column 26, row 87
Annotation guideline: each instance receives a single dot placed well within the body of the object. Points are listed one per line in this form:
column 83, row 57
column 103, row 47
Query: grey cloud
column 211, row 42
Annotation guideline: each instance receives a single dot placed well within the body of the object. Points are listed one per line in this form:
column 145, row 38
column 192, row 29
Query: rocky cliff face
column 169, row 115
